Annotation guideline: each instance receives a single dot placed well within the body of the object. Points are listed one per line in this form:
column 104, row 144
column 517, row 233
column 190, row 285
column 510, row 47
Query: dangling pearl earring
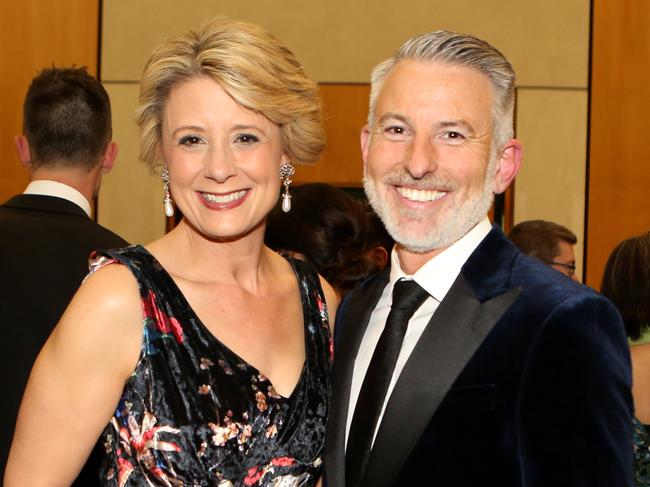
column 286, row 171
column 167, row 201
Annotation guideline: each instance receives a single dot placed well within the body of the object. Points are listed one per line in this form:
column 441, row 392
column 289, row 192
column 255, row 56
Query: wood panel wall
column 345, row 108
column 35, row 34
column 619, row 153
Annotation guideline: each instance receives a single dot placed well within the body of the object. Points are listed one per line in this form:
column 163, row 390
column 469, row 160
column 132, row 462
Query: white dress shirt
column 53, row 188
column 436, row 277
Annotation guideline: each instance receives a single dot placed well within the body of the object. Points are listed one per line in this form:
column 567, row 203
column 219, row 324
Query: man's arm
column 575, row 409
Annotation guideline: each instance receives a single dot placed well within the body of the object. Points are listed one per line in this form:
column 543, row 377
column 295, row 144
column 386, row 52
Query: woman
column 334, row 231
column 626, row 282
column 202, row 358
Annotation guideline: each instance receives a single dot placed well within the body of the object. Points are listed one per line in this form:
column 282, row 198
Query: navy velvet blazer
column 44, row 247
column 521, row 379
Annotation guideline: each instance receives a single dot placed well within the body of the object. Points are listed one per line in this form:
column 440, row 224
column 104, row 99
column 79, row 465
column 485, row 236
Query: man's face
column 429, row 164
column 565, row 260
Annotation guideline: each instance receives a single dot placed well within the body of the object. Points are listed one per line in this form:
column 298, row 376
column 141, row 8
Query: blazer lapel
column 354, row 320
column 454, row 333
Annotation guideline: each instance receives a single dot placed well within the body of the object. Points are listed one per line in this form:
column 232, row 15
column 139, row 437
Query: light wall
column 552, row 123
column 339, row 42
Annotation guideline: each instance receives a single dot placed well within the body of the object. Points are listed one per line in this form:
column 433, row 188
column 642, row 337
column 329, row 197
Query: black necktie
column 407, row 297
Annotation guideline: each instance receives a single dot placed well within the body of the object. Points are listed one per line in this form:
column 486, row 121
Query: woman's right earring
column 286, row 171
column 167, row 201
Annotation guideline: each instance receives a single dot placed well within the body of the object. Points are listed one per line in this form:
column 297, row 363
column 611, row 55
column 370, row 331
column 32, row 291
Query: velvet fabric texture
column 641, row 454
column 196, row 413
column 521, row 379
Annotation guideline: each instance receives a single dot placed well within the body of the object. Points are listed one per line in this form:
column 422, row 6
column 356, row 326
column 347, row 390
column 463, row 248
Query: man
column 549, row 242
column 46, row 233
column 509, row 374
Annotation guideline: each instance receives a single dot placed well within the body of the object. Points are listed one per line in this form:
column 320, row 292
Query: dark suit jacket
column 521, row 379
column 44, row 247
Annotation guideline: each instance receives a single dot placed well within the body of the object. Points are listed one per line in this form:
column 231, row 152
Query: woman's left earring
column 167, row 201
column 286, row 171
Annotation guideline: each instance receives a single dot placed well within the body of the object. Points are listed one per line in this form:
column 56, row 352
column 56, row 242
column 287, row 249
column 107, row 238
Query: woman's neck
column 187, row 254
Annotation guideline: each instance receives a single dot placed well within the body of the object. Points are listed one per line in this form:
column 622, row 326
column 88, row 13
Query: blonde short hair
column 252, row 66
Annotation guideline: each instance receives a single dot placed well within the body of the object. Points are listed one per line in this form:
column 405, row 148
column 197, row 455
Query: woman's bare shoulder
column 114, row 281
column 104, row 313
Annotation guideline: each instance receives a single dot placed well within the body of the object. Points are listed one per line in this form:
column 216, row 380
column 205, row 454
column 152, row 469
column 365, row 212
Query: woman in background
column 626, row 282
column 202, row 358
column 343, row 238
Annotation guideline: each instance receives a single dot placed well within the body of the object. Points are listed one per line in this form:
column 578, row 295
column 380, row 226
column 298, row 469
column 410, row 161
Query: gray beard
column 457, row 223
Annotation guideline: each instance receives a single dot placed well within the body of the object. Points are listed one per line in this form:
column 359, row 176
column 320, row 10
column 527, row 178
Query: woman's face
column 223, row 160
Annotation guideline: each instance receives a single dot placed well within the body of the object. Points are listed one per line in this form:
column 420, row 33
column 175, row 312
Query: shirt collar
column 59, row 190
column 439, row 273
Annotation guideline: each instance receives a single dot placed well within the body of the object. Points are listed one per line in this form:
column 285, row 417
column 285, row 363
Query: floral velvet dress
column 194, row 413
column 641, row 453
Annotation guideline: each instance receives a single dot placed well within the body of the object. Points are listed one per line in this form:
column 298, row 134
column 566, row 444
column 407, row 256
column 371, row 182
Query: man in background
column 47, row 233
column 549, row 242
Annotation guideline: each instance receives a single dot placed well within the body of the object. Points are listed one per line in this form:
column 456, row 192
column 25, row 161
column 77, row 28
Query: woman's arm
column 77, row 380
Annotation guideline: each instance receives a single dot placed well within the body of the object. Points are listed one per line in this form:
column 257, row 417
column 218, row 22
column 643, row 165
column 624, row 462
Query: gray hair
column 459, row 49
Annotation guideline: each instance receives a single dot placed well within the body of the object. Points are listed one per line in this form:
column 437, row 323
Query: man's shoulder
column 497, row 265
column 548, row 296
column 533, row 274
column 106, row 237
column 53, row 219
column 37, row 204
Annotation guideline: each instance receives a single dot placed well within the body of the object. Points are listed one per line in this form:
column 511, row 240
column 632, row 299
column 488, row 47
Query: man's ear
column 109, row 157
column 365, row 143
column 22, row 147
column 508, row 165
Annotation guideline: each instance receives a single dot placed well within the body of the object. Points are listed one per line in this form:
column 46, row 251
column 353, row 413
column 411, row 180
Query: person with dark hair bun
column 334, row 231
column 626, row 282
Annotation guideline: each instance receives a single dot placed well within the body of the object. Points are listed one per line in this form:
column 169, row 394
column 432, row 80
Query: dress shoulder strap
column 317, row 320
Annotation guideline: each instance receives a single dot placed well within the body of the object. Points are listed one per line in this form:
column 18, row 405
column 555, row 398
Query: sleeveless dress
column 194, row 413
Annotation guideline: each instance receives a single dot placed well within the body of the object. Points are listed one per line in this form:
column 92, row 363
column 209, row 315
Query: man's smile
column 420, row 195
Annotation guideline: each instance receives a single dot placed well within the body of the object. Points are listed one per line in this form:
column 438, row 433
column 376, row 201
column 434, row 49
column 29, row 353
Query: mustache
column 430, row 181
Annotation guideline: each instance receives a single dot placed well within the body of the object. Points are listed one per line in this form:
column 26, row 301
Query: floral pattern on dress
column 165, row 323
column 138, row 444
column 194, row 413
column 641, row 454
